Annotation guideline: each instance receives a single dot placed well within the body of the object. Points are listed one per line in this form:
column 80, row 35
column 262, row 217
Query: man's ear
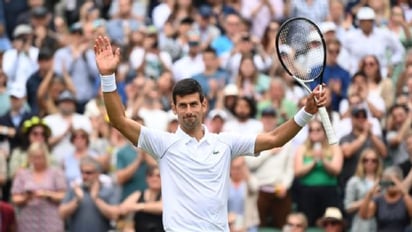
column 174, row 108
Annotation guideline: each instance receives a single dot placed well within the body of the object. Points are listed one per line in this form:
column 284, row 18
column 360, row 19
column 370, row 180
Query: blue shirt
column 221, row 76
column 336, row 72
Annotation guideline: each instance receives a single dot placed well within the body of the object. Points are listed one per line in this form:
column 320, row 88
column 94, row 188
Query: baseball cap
column 217, row 113
column 359, row 109
column 66, row 95
column 39, row 12
column 327, row 27
column 365, row 13
column 76, row 28
column 331, row 214
column 22, row 29
column 17, row 90
column 205, row 11
column 269, row 111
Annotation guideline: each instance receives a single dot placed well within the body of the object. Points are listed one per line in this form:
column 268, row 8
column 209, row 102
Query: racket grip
column 330, row 133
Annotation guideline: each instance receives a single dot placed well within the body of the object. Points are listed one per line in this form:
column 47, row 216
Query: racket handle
column 330, row 133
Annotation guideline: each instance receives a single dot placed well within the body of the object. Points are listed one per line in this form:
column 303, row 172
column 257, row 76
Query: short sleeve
column 68, row 196
column 19, row 182
column 59, row 180
column 239, row 144
column 155, row 142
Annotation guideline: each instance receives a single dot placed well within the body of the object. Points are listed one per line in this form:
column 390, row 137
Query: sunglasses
column 334, row 51
column 298, row 225
column 367, row 160
column 360, row 116
column 330, row 223
column 88, row 172
column 38, row 133
column 370, row 63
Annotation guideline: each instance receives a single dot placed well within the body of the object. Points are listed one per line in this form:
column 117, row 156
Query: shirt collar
column 187, row 138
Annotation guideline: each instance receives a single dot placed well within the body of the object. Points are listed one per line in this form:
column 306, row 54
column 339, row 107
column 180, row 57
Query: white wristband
column 302, row 117
column 108, row 83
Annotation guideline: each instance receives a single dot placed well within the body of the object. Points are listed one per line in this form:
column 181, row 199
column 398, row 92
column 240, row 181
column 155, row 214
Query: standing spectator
column 45, row 63
column 317, row 165
column 232, row 27
column 245, row 117
column 243, row 193
column 21, row 61
column 181, row 9
column 121, row 24
column 63, row 122
column 37, row 192
column 146, row 205
column 360, row 138
column 192, row 63
column 274, row 170
column 34, row 130
column 316, row 10
column 378, row 86
column 77, row 59
column 203, row 25
column 398, row 124
column 391, row 207
column 368, row 172
column 260, row 13
column 335, row 76
column 369, row 39
column 89, row 206
column 4, row 95
column 398, row 25
column 213, row 78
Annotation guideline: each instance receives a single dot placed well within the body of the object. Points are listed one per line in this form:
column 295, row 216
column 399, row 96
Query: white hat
column 22, row 29
column 331, row 214
column 17, row 90
column 314, row 37
column 171, row 117
column 327, row 27
column 217, row 113
column 365, row 13
column 231, row 90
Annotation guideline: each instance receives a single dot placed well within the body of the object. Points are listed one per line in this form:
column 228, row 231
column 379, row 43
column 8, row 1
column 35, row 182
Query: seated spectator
column 146, row 206
column 317, row 165
column 389, row 202
column 243, row 193
column 332, row 220
column 296, row 222
column 37, row 192
column 368, row 172
column 34, row 130
column 89, row 206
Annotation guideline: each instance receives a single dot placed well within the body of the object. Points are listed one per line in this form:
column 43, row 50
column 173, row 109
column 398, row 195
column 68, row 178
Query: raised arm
column 107, row 62
column 285, row 132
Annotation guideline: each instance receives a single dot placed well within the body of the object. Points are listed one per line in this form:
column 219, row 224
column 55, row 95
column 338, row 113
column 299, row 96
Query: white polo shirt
column 195, row 176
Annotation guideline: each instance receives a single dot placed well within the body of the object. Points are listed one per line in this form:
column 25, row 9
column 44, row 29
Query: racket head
column 301, row 49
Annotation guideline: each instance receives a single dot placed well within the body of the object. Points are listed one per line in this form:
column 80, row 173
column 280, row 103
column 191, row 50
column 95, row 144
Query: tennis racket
column 301, row 50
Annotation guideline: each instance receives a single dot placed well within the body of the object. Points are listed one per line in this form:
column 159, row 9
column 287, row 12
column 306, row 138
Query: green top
column 318, row 176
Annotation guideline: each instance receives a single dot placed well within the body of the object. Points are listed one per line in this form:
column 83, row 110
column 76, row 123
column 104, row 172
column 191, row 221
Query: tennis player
column 194, row 163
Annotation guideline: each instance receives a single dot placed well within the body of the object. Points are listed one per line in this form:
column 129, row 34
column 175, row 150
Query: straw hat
column 331, row 214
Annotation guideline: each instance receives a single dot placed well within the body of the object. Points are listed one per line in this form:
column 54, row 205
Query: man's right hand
column 106, row 60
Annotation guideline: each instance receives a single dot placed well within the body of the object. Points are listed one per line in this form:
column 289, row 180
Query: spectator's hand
column 106, row 60
column 280, row 191
column 94, row 189
column 336, row 86
column 78, row 192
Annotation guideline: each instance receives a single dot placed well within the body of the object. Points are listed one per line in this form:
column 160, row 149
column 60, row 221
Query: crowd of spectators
column 64, row 168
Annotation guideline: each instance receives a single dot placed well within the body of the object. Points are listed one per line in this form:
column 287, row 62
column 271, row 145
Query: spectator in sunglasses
column 332, row 220
column 368, row 171
column 389, row 202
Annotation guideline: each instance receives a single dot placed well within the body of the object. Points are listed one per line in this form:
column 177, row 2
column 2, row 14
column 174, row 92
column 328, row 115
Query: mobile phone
column 386, row 183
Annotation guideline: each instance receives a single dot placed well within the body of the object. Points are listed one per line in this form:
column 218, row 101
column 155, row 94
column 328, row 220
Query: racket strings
column 301, row 49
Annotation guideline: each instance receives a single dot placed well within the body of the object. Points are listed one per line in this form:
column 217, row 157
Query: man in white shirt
column 371, row 40
column 194, row 163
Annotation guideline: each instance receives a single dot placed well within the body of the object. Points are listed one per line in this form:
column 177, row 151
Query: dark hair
column 45, row 54
column 402, row 106
column 252, row 105
column 209, row 49
column 151, row 169
column 359, row 73
column 185, row 87
column 83, row 132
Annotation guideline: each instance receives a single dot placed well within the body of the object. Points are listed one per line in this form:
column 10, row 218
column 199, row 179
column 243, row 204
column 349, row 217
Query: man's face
column 242, row 110
column 190, row 111
column 232, row 24
column 45, row 65
column 399, row 116
column 366, row 26
column 89, row 174
column 16, row 103
column 209, row 59
column 67, row 107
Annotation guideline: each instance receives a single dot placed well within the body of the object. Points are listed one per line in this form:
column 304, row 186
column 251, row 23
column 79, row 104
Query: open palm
column 106, row 60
